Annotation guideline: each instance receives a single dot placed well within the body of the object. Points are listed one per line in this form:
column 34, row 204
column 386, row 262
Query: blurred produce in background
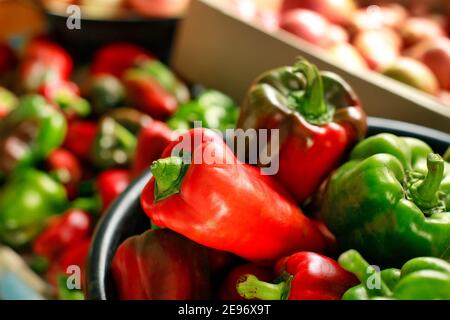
column 407, row 40
column 72, row 138
column 105, row 9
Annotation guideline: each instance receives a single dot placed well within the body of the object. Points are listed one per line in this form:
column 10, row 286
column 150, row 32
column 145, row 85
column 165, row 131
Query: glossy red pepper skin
column 301, row 276
column 228, row 290
column 152, row 141
column 110, row 184
column 75, row 255
column 231, row 206
column 115, row 58
column 80, row 138
column 44, row 61
column 161, row 265
column 63, row 232
column 150, row 97
column 316, row 277
column 318, row 120
column 67, row 169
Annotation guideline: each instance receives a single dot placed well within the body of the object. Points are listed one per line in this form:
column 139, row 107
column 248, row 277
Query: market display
column 407, row 41
column 323, row 209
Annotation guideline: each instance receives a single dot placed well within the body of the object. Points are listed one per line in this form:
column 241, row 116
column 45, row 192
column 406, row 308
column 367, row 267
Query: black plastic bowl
column 125, row 217
column 154, row 34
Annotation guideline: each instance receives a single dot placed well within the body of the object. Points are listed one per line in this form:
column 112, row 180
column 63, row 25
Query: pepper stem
column 446, row 156
column 425, row 192
column 312, row 104
column 370, row 278
column 168, row 174
column 250, row 287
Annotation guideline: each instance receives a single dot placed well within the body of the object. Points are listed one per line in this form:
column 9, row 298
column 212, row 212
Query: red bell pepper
column 63, row 165
column 304, row 276
column 318, row 117
column 226, row 205
column 115, row 58
column 44, row 62
column 228, row 290
column 149, row 96
column 161, row 265
column 80, row 138
column 110, row 184
column 152, row 141
column 66, row 95
column 63, row 232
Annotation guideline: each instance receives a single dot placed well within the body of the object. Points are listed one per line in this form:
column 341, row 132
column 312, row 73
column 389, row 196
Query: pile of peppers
column 219, row 226
column 73, row 137
column 301, row 233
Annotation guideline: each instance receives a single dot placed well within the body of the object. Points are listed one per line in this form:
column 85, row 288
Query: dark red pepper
column 63, row 165
column 318, row 116
column 228, row 290
column 80, row 138
column 115, row 58
column 152, row 141
column 63, row 232
column 161, row 265
column 111, row 183
column 301, row 276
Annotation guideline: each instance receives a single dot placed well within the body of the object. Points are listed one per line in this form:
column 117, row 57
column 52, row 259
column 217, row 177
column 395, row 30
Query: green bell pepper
column 422, row 278
column 391, row 201
column 106, row 92
column 27, row 200
column 116, row 139
column 212, row 108
column 30, row 133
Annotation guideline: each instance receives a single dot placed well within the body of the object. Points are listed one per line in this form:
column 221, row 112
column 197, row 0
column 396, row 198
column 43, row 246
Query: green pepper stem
column 446, row 156
column 313, row 103
column 92, row 205
column 425, row 193
column 126, row 138
column 353, row 262
column 168, row 174
column 250, row 287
